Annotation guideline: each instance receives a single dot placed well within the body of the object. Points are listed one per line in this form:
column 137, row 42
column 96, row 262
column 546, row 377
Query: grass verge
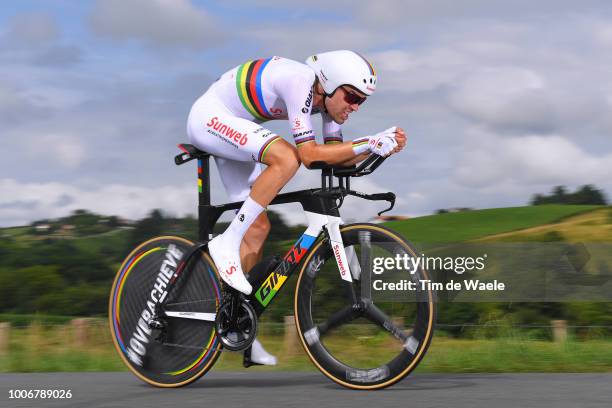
column 49, row 349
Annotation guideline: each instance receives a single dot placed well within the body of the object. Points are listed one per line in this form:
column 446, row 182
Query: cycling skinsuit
column 225, row 121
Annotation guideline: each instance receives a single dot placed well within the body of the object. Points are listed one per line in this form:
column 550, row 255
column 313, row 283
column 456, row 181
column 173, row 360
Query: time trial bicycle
column 170, row 314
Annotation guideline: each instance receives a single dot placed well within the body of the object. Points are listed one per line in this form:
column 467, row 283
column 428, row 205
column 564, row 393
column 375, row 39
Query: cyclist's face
column 343, row 102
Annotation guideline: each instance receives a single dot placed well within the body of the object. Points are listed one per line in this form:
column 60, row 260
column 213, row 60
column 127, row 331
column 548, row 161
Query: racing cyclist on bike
column 226, row 122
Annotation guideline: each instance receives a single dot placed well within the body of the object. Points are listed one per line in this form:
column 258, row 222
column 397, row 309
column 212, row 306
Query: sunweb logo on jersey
column 227, row 131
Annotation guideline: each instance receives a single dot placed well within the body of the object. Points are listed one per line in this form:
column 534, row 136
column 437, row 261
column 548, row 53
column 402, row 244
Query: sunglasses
column 352, row 98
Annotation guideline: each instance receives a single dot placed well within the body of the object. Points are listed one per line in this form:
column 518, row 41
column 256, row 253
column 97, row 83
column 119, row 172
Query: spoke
column 375, row 315
column 185, row 347
column 191, row 302
column 342, row 316
column 207, row 317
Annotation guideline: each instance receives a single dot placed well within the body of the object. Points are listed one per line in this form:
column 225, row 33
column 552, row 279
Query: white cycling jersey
column 226, row 120
column 274, row 88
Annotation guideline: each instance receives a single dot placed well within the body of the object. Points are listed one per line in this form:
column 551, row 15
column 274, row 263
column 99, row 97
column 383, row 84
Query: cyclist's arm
column 339, row 153
column 356, row 159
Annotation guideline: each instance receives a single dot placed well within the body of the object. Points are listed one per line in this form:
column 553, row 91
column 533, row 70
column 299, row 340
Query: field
column 47, row 343
column 470, row 225
column 51, row 348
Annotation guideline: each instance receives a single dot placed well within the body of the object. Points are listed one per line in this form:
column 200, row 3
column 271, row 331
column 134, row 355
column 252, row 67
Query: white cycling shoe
column 257, row 355
column 228, row 265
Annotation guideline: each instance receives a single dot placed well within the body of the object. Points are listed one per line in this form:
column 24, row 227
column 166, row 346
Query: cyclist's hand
column 400, row 137
column 383, row 143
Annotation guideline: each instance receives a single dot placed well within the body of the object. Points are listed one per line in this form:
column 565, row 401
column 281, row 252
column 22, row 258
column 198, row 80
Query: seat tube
column 204, row 198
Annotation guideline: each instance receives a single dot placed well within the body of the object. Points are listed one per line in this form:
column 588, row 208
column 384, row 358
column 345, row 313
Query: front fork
column 346, row 259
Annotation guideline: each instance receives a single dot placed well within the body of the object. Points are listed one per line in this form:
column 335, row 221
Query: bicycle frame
column 320, row 207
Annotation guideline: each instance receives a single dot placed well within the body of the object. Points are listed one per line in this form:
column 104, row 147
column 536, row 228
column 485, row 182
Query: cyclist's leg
column 251, row 249
column 213, row 128
column 238, row 177
column 283, row 162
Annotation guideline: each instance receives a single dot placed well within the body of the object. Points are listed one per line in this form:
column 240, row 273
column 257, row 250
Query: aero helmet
column 337, row 68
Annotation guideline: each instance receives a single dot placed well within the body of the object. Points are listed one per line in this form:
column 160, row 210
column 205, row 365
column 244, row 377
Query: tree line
column 73, row 277
column 584, row 195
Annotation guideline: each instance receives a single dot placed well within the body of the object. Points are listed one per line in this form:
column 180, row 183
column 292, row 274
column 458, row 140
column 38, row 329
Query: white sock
column 249, row 211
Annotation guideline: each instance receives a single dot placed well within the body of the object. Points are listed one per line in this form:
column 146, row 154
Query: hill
column 471, row 225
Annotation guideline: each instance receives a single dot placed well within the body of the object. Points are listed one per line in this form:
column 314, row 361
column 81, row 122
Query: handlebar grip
column 383, row 196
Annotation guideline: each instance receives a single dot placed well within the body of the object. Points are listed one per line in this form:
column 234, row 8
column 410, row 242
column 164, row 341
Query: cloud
column 488, row 161
column 506, row 97
column 398, row 13
column 58, row 56
column 298, row 41
column 53, row 200
column 34, row 39
column 158, row 23
column 64, row 150
column 603, row 33
column 32, row 29
column 473, row 84
column 17, row 107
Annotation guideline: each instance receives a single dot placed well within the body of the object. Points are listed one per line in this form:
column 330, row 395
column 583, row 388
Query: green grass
column 17, row 320
column 517, row 356
column 468, row 225
column 109, row 242
column 15, row 231
column 51, row 349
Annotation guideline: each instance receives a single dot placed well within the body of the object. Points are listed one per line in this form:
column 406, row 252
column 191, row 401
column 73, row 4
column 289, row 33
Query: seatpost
column 204, row 197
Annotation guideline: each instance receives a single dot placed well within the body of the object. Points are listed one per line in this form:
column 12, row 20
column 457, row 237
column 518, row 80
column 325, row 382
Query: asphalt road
column 294, row 389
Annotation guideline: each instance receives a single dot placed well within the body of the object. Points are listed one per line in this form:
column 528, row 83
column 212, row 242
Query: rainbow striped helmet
column 337, row 68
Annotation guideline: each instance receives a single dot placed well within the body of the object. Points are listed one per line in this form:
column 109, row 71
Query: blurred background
column 507, row 106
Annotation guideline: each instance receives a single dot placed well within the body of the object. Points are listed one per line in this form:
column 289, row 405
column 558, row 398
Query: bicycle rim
column 191, row 347
column 361, row 355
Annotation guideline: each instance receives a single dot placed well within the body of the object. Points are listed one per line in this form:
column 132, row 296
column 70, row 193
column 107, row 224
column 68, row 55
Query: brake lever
column 390, row 197
column 391, row 200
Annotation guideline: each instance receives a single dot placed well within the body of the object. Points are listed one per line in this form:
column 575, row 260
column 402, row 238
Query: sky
column 500, row 100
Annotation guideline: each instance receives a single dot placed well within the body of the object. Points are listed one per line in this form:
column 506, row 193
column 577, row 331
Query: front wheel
column 357, row 336
column 185, row 346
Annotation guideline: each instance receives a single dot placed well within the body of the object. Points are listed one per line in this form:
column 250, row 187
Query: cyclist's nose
column 355, row 107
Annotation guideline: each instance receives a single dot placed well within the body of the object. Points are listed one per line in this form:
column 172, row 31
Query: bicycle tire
column 308, row 306
column 192, row 346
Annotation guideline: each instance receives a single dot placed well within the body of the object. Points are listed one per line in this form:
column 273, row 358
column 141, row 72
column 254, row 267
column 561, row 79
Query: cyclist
column 226, row 122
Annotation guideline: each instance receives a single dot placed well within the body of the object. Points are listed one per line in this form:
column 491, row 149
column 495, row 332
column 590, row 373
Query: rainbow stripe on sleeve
column 332, row 139
column 248, row 85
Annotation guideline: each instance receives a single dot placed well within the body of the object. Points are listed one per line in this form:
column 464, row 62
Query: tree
column 585, row 195
column 147, row 228
column 588, row 194
column 559, row 195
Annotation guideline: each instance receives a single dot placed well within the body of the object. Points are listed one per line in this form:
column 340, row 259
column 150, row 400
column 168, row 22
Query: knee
column 284, row 156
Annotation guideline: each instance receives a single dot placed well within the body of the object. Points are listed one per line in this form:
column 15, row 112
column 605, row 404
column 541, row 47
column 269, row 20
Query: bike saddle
column 190, row 152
